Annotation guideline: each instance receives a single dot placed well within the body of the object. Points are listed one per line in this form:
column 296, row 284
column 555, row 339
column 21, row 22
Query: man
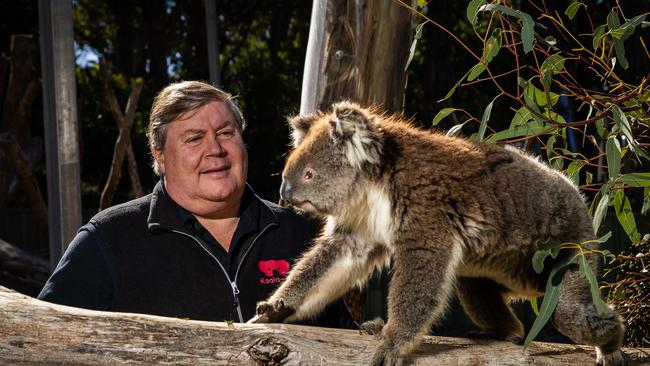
column 202, row 246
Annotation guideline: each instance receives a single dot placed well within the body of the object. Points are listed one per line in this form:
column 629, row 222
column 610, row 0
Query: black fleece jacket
column 141, row 257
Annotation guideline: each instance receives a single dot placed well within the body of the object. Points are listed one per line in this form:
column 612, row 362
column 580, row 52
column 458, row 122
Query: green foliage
column 542, row 66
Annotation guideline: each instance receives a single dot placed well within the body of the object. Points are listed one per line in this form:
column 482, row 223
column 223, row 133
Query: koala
column 446, row 214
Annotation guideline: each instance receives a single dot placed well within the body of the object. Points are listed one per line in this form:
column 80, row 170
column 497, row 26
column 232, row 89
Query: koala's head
column 333, row 154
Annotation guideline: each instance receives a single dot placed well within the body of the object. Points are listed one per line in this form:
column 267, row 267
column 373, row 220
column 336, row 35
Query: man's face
column 204, row 160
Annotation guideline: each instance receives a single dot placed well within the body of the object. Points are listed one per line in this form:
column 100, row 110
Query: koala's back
column 498, row 201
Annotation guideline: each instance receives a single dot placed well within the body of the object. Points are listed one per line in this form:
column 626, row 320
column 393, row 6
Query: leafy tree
column 563, row 84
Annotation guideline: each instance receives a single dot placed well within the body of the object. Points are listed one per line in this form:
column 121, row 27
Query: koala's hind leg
column 486, row 305
column 577, row 317
column 422, row 279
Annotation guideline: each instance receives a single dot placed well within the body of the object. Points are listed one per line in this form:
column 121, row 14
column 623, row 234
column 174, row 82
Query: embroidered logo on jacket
column 270, row 268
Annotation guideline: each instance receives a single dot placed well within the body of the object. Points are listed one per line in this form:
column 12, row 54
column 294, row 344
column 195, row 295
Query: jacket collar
column 164, row 211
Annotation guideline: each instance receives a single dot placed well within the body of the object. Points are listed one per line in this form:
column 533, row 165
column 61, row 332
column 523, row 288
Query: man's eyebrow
column 193, row 131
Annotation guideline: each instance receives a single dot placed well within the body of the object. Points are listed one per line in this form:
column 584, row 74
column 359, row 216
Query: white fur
column 357, row 151
column 296, row 136
column 371, row 215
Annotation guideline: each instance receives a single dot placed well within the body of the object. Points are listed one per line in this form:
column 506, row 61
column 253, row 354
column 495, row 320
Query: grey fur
column 449, row 213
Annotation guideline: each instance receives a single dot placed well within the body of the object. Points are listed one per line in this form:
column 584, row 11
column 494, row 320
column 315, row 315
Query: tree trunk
column 18, row 97
column 123, row 145
column 40, row 333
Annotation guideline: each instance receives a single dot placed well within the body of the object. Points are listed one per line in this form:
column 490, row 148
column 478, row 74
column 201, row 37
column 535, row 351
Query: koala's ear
column 349, row 118
column 300, row 125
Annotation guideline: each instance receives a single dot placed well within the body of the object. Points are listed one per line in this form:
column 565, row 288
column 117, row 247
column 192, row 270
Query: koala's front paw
column 272, row 312
column 372, row 327
column 386, row 355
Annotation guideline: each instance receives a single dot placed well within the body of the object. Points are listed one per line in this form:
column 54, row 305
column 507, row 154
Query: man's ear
column 159, row 157
column 300, row 125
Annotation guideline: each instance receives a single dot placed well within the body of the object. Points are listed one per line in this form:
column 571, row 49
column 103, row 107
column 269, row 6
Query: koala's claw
column 271, row 312
column 372, row 327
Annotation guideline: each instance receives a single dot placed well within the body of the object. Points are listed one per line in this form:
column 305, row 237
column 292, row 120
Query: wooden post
column 60, row 118
column 212, row 31
column 356, row 50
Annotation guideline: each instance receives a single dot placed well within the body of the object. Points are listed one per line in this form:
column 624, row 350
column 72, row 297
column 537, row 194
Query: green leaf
column 604, row 238
column 472, row 10
column 625, row 215
column 600, row 128
column 624, row 126
column 598, row 36
column 422, row 3
column 573, row 9
column 493, row 45
column 601, row 209
column 646, row 201
column 554, row 63
column 539, row 96
column 551, row 298
column 573, row 172
column 416, row 38
column 521, row 117
column 620, row 53
column 485, row 119
column 527, row 29
column 589, row 177
column 533, row 304
column 613, row 151
column 529, row 129
column 612, row 20
column 442, row 114
column 451, row 92
column 455, row 130
column 587, row 273
column 475, row 71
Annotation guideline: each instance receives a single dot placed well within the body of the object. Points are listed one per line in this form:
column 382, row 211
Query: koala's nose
column 285, row 190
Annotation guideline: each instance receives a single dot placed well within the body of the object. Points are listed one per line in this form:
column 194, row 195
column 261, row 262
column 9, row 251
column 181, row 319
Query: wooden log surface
column 34, row 332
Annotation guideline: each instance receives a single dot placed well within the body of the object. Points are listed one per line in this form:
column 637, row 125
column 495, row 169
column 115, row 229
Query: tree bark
column 123, row 145
column 39, row 333
column 18, row 163
column 18, row 97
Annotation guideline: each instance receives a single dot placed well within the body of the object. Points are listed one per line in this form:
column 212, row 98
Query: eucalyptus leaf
column 455, row 130
column 529, row 129
column 549, row 303
column 646, row 201
column 453, row 89
column 493, row 45
column 416, row 38
column 601, row 208
column 533, row 304
column 485, row 119
column 573, row 171
column 613, row 151
column 472, row 10
column 527, row 29
column 625, row 215
column 521, row 117
column 636, row 179
column 573, row 9
column 475, row 71
column 442, row 114
column 586, row 272
column 598, row 36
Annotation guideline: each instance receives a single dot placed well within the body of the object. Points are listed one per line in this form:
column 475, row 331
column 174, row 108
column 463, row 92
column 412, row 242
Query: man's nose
column 215, row 147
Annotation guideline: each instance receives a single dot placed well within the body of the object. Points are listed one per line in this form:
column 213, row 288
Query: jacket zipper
column 233, row 284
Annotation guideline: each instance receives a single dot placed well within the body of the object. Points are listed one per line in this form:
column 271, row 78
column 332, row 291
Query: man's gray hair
column 180, row 98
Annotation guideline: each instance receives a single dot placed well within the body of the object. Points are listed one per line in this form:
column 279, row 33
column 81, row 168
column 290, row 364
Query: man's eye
column 193, row 139
column 227, row 133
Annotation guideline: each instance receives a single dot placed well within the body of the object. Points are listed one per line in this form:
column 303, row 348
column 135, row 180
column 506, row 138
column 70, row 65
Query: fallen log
column 34, row 332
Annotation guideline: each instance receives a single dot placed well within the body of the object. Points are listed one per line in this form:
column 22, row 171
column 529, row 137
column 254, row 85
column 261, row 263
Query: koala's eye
column 308, row 174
